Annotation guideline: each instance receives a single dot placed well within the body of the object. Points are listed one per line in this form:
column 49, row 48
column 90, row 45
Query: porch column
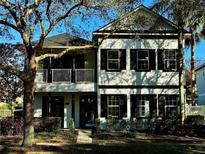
column 98, row 104
column 128, row 107
column 98, row 82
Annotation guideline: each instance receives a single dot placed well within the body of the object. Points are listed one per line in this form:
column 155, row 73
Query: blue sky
column 199, row 51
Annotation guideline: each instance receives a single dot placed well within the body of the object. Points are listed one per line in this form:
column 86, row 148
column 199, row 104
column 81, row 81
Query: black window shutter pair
column 104, row 59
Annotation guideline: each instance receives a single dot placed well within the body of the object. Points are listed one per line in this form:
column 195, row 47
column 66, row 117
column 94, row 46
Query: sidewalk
column 84, row 136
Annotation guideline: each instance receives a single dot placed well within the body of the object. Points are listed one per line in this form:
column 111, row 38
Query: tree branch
column 58, row 55
column 7, row 6
column 69, row 11
column 9, row 24
column 12, row 70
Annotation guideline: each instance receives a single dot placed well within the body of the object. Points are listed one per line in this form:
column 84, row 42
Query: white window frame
column 117, row 60
column 145, row 60
column 113, row 103
column 171, row 102
column 167, row 60
column 146, row 106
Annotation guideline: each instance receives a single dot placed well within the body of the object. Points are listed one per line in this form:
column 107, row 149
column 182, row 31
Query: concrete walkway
column 84, row 136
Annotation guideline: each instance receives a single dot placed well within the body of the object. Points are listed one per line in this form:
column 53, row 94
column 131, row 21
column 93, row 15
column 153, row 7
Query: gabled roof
column 200, row 66
column 64, row 40
column 140, row 8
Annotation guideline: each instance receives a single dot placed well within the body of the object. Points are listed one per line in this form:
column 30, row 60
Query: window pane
column 113, row 111
column 141, row 111
column 113, row 54
column 170, row 64
column 143, row 55
column 172, row 55
column 113, row 64
column 143, row 65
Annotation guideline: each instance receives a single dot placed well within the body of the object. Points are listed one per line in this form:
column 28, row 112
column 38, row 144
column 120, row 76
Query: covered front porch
column 82, row 107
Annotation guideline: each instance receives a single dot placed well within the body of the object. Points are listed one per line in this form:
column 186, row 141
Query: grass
column 58, row 136
column 107, row 142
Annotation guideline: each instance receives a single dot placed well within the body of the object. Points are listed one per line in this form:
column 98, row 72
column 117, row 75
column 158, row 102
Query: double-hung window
column 143, row 106
column 140, row 105
column 170, row 60
column 143, row 60
column 113, row 106
column 171, row 105
column 113, row 59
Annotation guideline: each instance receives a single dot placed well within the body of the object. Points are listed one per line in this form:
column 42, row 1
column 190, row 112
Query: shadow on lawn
column 137, row 147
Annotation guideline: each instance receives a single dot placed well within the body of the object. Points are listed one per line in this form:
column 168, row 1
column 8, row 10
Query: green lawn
column 112, row 143
column 125, row 148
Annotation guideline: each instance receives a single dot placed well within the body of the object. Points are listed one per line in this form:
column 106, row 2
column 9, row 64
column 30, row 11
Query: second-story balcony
column 65, row 80
column 73, row 72
column 65, row 75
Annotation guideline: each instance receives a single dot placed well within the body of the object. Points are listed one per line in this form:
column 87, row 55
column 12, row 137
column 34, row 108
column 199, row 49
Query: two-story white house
column 131, row 72
column 200, row 82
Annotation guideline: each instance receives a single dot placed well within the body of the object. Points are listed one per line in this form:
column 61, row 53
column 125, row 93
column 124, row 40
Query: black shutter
column 152, row 62
column 160, row 60
column 123, row 59
column 133, row 106
column 153, row 105
column 103, row 59
column 133, row 59
column 103, row 105
column 123, row 106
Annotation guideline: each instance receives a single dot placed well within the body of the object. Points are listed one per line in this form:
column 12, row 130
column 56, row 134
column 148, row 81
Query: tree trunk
column 181, row 76
column 30, row 69
column 28, row 135
column 193, row 74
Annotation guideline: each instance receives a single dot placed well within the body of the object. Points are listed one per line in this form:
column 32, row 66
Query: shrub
column 72, row 124
column 10, row 126
column 97, row 124
column 47, row 123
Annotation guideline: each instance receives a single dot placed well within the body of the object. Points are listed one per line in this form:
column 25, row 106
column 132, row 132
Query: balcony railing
column 61, row 75
column 84, row 75
column 65, row 75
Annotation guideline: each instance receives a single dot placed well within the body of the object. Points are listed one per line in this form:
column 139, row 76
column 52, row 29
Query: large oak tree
column 36, row 19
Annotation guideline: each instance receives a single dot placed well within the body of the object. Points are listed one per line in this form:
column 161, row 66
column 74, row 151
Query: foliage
column 4, row 106
column 97, row 124
column 10, row 126
column 5, row 113
column 10, row 85
column 72, row 124
column 47, row 123
column 106, row 135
